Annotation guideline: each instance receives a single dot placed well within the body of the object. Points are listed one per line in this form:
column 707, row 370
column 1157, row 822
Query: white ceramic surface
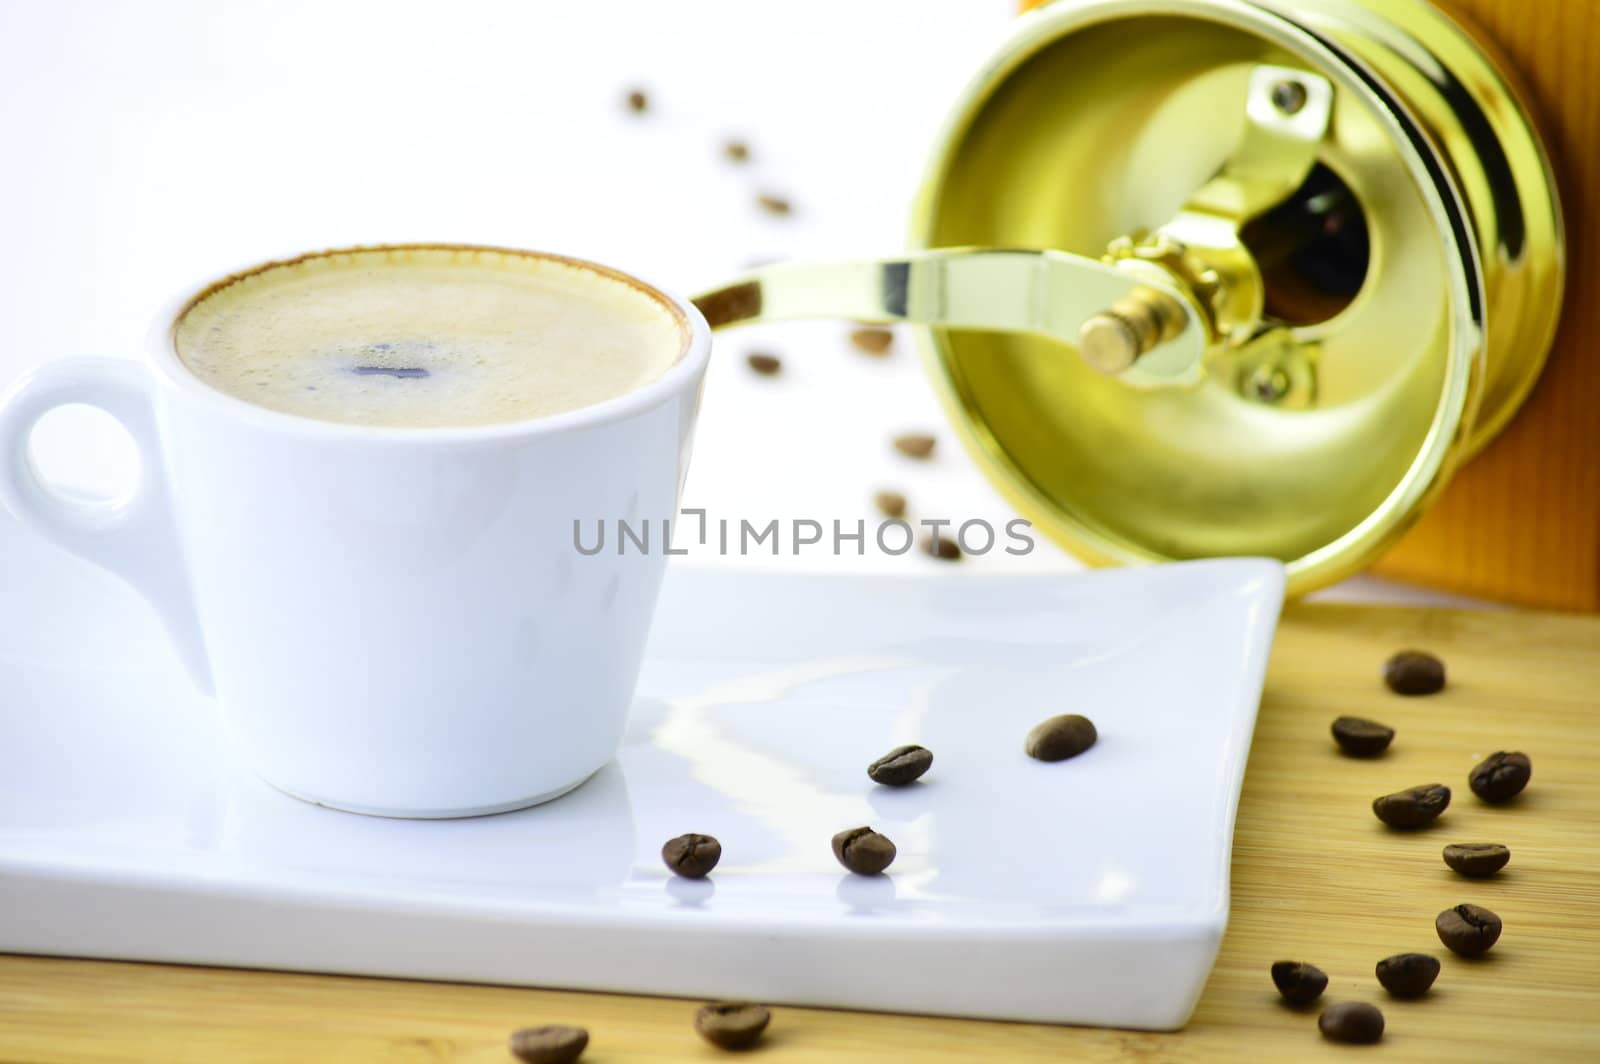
column 395, row 620
column 1090, row 891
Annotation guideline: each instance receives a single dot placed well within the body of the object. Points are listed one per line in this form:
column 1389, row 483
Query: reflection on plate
column 1089, row 891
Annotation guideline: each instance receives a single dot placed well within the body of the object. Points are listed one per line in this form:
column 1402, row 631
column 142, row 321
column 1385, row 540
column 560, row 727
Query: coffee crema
column 429, row 336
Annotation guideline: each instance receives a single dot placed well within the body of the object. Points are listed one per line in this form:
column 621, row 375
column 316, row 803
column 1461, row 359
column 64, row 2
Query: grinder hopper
column 1220, row 277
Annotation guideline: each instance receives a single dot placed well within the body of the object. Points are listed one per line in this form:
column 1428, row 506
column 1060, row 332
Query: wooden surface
column 1316, row 878
column 1521, row 522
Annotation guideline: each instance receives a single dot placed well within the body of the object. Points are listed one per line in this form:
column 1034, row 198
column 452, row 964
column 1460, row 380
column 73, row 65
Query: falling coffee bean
column 890, row 503
column 1414, row 672
column 1476, row 860
column 945, row 548
column 1413, row 807
column 1408, row 975
column 732, row 1024
column 872, row 340
column 549, row 1045
column 900, row 766
column 1360, row 737
column 775, row 205
column 1468, row 929
column 735, row 150
column 863, row 851
column 1351, row 1021
column 765, row 364
column 1060, row 738
column 915, row 444
column 1501, row 776
column 1298, row 982
column 638, row 102
column 692, row 856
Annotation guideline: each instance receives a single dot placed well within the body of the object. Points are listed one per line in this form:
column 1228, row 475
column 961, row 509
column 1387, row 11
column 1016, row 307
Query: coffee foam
column 428, row 336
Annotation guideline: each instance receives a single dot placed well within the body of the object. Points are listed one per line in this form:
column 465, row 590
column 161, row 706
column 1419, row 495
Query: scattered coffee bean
column 1360, row 737
column 872, row 340
column 1351, row 1021
column 549, row 1045
column 1413, row 807
column 735, row 150
column 1060, row 737
column 775, row 204
column 1414, row 672
column 765, row 364
column 732, row 1024
column 1501, row 776
column 900, row 766
column 1298, row 982
column 863, row 851
column 638, row 102
column 915, row 444
column 1408, row 975
column 890, row 503
column 945, row 548
column 692, row 856
column 1476, row 860
column 1468, row 929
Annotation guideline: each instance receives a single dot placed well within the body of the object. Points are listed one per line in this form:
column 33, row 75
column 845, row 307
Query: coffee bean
column 890, row 503
column 1060, row 737
column 1414, row 672
column 915, row 444
column 638, row 102
column 863, row 851
column 1501, row 776
column 549, row 1045
column 1468, row 929
column 1351, row 1021
column 763, row 363
column 1408, row 975
column 1476, row 860
column 900, row 766
column 692, row 856
column 1298, row 982
column 1360, row 737
column 735, row 150
column 945, row 548
column 872, row 340
column 1413, row 807
column 732, row 1024
column 775, row 204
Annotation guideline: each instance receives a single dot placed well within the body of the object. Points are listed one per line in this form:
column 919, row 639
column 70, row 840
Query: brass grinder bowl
column 1099, row 118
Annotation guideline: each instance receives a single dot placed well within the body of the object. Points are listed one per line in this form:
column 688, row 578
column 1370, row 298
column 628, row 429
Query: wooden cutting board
column 1316, row 878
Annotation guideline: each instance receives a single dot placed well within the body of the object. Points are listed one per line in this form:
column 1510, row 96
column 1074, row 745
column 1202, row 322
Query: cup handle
column 134, row 538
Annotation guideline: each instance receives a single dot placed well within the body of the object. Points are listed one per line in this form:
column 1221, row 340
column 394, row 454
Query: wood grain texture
column 1316, row 878
column 1521, row 522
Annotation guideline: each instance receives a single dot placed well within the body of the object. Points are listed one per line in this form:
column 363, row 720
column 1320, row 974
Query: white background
column 148, row 147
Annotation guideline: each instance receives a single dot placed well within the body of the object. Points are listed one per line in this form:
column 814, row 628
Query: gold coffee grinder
column 1220, row 277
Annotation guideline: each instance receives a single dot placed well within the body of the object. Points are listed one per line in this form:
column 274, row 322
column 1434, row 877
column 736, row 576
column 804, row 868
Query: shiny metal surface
column 1347, row 198
column 1047, row 294
column 1317, row 437
column 1467, row 101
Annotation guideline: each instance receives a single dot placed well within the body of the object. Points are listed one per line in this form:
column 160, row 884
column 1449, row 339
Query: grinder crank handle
column 1115, row 315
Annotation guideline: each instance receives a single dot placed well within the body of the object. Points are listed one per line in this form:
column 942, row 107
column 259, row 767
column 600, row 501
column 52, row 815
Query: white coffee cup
column 395, row 621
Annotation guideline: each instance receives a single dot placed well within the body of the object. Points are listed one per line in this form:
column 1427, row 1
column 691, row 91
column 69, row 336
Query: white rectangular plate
column 1090, row 891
